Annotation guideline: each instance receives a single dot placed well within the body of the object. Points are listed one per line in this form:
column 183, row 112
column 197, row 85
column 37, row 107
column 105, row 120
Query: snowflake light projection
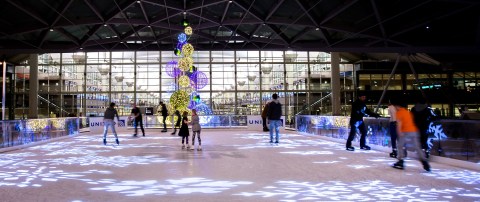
column 198, row 80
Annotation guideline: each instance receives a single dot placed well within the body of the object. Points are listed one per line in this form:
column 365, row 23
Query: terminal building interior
column 64, row 62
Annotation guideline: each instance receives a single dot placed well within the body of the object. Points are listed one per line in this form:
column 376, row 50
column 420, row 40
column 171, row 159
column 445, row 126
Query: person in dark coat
column 359, row 110
column 264, row 118
column 274, row 114
column 137, row 120
column 108, row 122
column 164, row 115
column 184, row 133
column 178, row 123
column 423, row 115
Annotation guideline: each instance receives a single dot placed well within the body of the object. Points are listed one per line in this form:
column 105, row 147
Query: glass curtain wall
column 239, row 82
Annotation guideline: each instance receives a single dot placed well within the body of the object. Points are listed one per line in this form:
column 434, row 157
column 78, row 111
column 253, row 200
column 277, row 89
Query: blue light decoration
column 172, row 69
column 179, row 47
column 203, row 109
column 182, row 38
column 198, row 80
column 194, row 100
column 197, row 104
column 171, row 88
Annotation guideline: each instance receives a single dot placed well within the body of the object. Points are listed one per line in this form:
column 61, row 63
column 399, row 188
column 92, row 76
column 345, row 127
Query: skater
column 164, row 115
column 196, row 128
column 359, row 110
column 393, row 128
column 108, row 117
column 184, row 131
column 423, row 115
column 177, row 124
column 137, row 120
column 264, row 118
column 406, row 128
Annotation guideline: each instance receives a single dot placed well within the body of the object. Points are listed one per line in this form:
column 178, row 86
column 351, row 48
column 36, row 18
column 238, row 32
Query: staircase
column 52, row 104
column 315, row 103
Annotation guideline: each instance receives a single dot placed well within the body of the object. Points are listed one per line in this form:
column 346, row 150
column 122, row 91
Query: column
column 4, row 90
column 33, row 86
column 335, row 67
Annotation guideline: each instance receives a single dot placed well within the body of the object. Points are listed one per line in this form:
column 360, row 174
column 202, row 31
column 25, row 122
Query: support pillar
column 33, row 86
column 335, row 82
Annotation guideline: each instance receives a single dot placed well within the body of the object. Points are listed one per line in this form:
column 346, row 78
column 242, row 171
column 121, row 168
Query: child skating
column 184, row 133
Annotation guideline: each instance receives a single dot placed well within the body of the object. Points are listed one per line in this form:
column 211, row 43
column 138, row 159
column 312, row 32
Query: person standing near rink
column 108, row 117
column 274, row 114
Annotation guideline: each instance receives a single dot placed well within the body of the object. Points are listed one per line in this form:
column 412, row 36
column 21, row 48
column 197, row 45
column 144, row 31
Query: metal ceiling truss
column 322, row 25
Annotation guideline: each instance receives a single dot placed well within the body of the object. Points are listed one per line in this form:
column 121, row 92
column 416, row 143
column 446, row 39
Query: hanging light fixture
column 119, row 78
column 267, row 69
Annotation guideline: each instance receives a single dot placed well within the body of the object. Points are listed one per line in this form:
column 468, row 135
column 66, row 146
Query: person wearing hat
column 359, row 110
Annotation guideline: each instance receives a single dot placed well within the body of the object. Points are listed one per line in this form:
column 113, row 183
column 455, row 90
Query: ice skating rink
column 234, row 165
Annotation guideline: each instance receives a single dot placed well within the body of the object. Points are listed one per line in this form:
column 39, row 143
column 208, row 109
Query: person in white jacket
column 196, row 128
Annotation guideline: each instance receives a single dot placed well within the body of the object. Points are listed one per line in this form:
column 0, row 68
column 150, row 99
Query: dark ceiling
column 444, row 31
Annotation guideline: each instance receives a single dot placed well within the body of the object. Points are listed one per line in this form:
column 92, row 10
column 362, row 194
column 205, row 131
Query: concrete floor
column 235, row 165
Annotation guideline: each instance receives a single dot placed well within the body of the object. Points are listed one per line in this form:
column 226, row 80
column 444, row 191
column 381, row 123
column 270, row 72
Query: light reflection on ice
column 176, row 186
column 375, row 190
